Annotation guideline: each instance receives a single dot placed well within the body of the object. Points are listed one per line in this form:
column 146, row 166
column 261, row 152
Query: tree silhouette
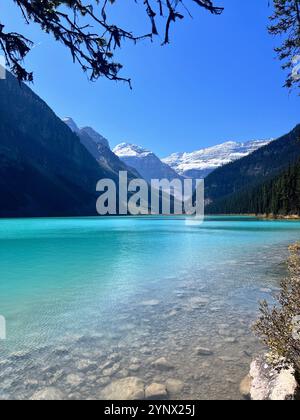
column 71, row 22
column 286, row 23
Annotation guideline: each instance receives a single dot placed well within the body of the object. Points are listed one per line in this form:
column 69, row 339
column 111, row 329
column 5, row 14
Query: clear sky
column 219, row 80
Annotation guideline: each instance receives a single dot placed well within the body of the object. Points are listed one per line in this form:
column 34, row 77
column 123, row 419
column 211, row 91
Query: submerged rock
column 174, row 386
column 153, row 302
column 134, row 368
column 111, row 370
column 74, row 380
column 86, row 365
column 265, row 290
column 48, row 394
column 20, row 355
column 162, row 364
column 230, row 340
column 202, row 351
column 198, row 302
column 245, row 387
column 126, row 389
column 156, row 391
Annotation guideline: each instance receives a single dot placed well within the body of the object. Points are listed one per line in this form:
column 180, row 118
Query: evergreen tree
column 87, row 32
column 286, row 23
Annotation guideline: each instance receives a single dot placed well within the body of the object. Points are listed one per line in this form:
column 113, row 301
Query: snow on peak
column 206, row 160
column 124, row 150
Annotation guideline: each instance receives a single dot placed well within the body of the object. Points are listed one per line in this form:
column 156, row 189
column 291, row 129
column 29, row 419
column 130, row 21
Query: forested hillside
column 44, row 169
column 255, row 169
column 279, row 196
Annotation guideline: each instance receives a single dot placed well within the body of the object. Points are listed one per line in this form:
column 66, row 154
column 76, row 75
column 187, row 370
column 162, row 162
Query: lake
column 89, row 301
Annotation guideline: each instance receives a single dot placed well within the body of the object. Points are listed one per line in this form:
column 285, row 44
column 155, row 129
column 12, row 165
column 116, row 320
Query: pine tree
column 86, row 29
column 286, row 23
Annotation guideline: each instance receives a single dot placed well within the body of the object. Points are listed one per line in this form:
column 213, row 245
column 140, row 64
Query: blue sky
column 219, row 80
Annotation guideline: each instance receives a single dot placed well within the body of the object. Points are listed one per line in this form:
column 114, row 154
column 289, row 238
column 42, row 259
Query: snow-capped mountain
column 145, row 162
column 202, row 162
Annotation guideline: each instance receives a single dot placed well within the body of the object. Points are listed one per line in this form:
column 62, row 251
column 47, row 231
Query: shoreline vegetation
column 260, row 216
column 279, row 217
column 275, row 375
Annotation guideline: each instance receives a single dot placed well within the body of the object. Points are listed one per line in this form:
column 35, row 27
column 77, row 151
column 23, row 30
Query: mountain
column 44, row 168
column 279, row 196
column 231, row 181
column 98, row 147
column 145, row 162
column 201, row 163
column 89, row 131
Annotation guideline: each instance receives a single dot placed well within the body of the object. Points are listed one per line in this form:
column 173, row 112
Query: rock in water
column 162, row 364
column 198, row 302
column 285, row 386
column 86, row 365
column 202, row 351
column 174, row 386
column 245, row 387
column 48, row 394
column 153, row 302
column 126, row 389
column 74, row 380
column 156, row 391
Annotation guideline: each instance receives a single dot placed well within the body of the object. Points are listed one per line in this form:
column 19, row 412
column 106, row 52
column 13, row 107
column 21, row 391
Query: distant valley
column 50, row 167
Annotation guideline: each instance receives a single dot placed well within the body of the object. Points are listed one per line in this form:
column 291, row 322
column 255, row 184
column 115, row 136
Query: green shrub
column 279, row 326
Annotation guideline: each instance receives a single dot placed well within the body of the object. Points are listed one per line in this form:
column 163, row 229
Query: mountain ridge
column 145, row 162
column 201, row 163
column 98, row 146
column 252, row 171
column 44, row 169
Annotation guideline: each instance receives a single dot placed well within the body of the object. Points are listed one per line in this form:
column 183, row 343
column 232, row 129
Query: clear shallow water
column 103, row 299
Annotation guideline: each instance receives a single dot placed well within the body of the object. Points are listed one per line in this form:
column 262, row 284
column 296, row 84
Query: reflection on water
column 91, row 301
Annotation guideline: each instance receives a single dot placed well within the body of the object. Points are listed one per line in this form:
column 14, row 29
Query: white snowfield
column 130, row 150
column 208, row 159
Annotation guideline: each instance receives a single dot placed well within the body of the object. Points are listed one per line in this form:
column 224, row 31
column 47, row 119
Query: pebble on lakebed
column 134, row 388
column 48, row 394
column 162, row 364
column 202, row 351
column 153, row 302
column 126, row 389
column 174, row 386
column 156, row 391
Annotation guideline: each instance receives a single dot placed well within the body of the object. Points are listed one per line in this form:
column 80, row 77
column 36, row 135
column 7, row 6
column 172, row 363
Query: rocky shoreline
column 268, row 383
column 279, row 217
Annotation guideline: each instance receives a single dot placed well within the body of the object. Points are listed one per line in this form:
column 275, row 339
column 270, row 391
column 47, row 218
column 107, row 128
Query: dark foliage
column 229, row 188
column 286, row 24
column 277, row 197
column 44, row 169
column 71, row 22
column 278, row 327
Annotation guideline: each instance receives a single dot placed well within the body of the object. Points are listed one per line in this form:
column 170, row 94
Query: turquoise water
column 104, row 298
